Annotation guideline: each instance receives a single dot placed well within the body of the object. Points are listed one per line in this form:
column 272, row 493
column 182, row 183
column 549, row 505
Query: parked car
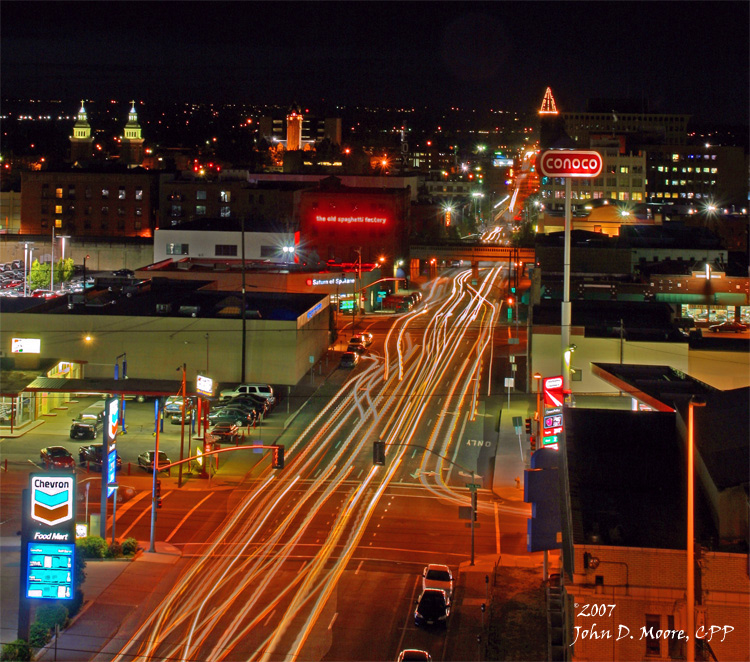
column 730, row 326
column 57, row 457
column 89, row 423
column 92, row 456
column 226, row 433
column 146, row 460
column 240, row 417
column 258, row 405
column 173, row 405
column 413, row 655
column 349, row 360
column 439, row 576
column 357, row 348
column 433, row 608
column 263, row 390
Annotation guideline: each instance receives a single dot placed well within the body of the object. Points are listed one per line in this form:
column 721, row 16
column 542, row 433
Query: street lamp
column 695, row 401
column 28, row 249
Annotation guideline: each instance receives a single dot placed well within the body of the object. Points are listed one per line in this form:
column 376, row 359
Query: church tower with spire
column 131, row 149
column 81, row 141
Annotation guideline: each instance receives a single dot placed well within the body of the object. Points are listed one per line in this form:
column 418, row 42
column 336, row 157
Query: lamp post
column 52, row 262
column 28, row 249
column 694, row 402
column 538, row 378
column 85, row 257
column 182, row 423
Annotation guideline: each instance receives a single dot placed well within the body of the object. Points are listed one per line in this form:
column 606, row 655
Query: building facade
column 85, row 203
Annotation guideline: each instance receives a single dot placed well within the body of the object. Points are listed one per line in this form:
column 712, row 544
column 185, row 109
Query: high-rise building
column 294, row 130
column 81, row 141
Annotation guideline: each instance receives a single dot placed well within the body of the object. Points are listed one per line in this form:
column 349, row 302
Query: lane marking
column 147, row 511
column 184, row 519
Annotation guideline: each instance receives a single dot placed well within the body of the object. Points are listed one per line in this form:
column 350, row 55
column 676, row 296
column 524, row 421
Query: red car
column 729, row 326
column 57, row 457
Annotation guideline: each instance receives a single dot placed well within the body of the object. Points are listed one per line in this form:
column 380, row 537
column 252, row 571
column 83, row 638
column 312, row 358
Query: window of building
column 200, row 195
column 200, row 210
column 121, row 193
column 225, row 211
column 58, row 223
column 88, row 193
column 176, row 210
column 58, row 209
column 714, row 171
column 45, row 190
column 59, row 192
column 225, row 196
column 637, row 196
column 675, row 158
column 105, row 193
column 637, row 170
column 624, row 170
column 623, row 195
column 87, row 211
column 121, row 211
column 598, row 195
column 44, row 223
column 139, row 194
column 120, row 225
column 637, row 181
column 653, row 646
column 224, row 250
column 611, row 181
column 269, row 251
column 71, row 191
column 104, row 225
column 105, row 211
column 139, row 211
column 178, row 249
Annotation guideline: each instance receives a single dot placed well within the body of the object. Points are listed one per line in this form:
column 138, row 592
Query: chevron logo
column 52, row 499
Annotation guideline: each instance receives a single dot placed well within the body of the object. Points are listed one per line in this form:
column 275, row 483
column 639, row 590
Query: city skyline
column 687, row 58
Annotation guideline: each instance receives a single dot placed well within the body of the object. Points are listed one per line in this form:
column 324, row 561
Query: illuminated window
column 714, row 171
column 139, row 211
column 226, row 250
column 58, row 222
column 58, row 192
column 675, row 157
column 139, row 194
column 624, row 170
column 121, row 193
column 225, row 196
column 58, row 209
column 177, row 249
column 200, row 210
column 201, row 195
column 176, row 210
column 105, row 193
column 225, row 211
column 637, row 196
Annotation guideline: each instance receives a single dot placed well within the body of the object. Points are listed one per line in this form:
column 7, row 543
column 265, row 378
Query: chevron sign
column 52, row 499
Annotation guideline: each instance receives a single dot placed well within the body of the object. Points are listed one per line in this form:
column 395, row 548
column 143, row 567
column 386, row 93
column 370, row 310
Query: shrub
column 38, row 634
column 129, row 546
column 114, row 550
column 16, row 651
column 52, row 615
column 94, row 547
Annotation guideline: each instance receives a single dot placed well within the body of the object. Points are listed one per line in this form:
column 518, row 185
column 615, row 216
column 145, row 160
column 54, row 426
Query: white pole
column 566, row 311
column 52, row 263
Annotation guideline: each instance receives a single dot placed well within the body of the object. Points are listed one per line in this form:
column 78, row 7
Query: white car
column 438, row 576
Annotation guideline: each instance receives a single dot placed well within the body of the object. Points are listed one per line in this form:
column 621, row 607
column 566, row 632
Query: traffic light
column 532, row 442
column 528, row 426
column 278, row 456
column 513, row 290
column 378, row 453
column 158, row 493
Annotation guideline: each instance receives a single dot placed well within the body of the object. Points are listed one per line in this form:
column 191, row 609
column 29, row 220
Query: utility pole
column 244, row 301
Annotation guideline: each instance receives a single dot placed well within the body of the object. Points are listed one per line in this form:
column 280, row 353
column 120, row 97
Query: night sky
column 680, row 57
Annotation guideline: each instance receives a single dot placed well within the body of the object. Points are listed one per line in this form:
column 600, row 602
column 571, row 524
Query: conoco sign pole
column 568, row 163
column 565, row 322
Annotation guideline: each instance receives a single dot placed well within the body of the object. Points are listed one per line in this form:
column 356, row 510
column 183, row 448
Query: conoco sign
column 570, row 163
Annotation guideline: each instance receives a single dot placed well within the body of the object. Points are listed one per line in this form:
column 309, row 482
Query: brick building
column 109, row 202
column 345, row 224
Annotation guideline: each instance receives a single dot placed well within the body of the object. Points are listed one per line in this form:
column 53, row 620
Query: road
column 321, row 560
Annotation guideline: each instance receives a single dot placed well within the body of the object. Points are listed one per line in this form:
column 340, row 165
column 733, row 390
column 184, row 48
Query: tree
column 38, row 276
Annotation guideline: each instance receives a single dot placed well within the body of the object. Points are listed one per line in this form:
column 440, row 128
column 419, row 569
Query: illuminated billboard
column 25, row 345
column 112, row 409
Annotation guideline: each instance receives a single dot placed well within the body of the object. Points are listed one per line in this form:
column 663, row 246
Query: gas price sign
column 50, row 571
